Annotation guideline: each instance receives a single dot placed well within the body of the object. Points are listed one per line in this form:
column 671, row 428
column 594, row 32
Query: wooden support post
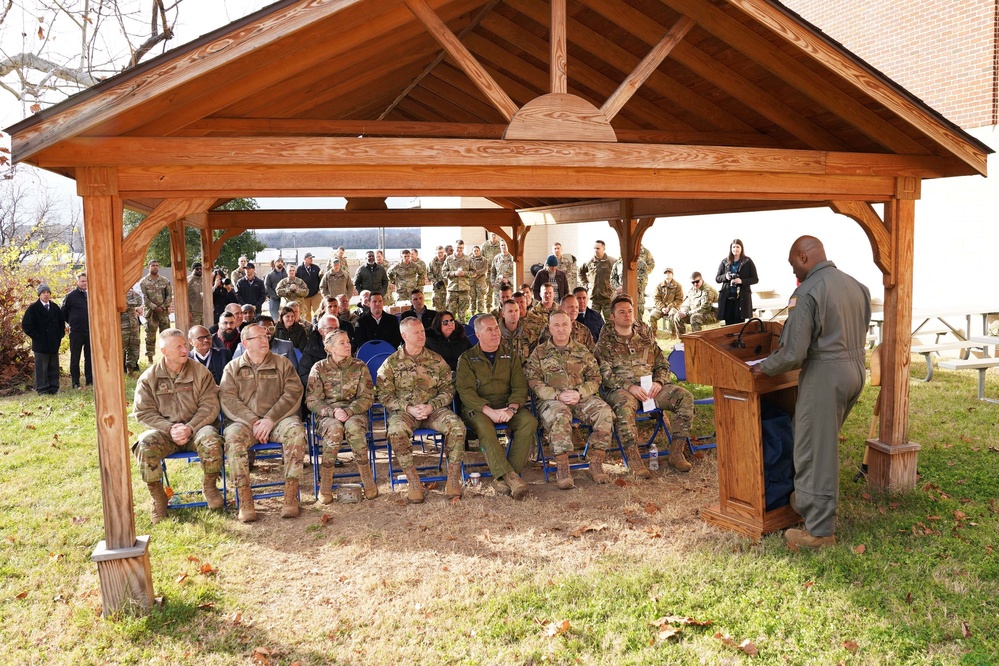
column 892, row 459
column 178, row 262
column 630, row 231
column 207, row 261
column 557, row 61
column 122, row 560
column 515, row 243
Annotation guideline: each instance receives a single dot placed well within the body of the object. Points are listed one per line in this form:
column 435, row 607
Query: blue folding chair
column 656, row 416
column 264, row 451
column 175, row 496
column 316, row 453
column 373, row 348
column 678, row 366
column 578, row 456
column 376, row 414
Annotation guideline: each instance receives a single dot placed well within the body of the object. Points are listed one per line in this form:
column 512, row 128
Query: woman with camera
column 736, row 274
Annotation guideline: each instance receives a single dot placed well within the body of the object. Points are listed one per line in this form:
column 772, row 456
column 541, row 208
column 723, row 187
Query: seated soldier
column 493, row 389
column 697, row 306
column 227, row 336
column 419, row 310
column 565, row 379
column 520, row 335
column 340, row 393
column 179, row 402
column 415, row 386
column 261, row 396
column 544, row 308
column 580, row 333
column 668, row 299
column 626, row 353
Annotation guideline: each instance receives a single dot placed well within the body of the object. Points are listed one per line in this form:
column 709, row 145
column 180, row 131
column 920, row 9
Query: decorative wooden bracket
column 226, row 235
column 876, row 230
column 136, row 243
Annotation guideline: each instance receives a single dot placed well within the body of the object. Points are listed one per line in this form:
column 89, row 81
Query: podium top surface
column 719, row 357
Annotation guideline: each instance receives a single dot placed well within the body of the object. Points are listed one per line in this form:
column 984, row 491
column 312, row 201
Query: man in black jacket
column 309, row 273
column 377, row 324
column 75, row 313
column 419, row 310
column 250, row 289
column 43, row 323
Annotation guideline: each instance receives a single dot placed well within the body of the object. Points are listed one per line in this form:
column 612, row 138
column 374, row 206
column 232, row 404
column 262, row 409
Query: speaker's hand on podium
column 756, row 370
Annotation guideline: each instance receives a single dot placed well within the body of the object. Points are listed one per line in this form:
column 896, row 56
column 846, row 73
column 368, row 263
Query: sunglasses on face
column 445, row 322
column 695, row 282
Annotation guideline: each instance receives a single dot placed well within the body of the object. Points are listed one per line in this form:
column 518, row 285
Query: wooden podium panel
column 715, row 357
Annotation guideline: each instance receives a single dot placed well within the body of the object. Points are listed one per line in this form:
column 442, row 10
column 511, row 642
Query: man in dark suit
column 202, row 351
column 419, row 309
column 43, row 323
column 75, row 313
column 377, row 324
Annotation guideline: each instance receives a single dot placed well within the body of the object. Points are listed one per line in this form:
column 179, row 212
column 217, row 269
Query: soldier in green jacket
column 339, row 394
column 157, row 294
column 438, row 281
column 565, row 379
column 697, row 307
column 490, row 249
column 493, row 390
column 479, row 280
column 415, row 386
column 626, row 353
column 130, row 330
column 595, row 276
column 667, row 301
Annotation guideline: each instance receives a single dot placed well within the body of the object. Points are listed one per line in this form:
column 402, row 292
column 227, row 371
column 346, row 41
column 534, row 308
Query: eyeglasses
column 695, row 282
column 254, row 337
column 202, row 337
column 446, row 322
column 270, row 328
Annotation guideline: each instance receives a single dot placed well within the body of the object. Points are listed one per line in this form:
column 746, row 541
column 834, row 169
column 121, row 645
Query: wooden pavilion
column 557, row 110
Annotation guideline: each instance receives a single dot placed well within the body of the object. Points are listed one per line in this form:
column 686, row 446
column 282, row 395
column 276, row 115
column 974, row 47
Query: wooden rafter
column 479, row 76
column 649, row 64
column 557, row 60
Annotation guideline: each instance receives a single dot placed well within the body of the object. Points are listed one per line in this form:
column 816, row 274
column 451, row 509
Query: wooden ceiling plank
column 463, row 58
column 489, row 6
column 644, row 70
column 444, row 106
column 624, row 61
column 810, row 83
column 557, row 54
column 466, row 100
column 722, row 77
column 319, row 127
column 862, row 78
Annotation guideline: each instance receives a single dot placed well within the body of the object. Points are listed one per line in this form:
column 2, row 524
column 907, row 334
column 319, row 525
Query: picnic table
column 982, row 365
column 923, row 320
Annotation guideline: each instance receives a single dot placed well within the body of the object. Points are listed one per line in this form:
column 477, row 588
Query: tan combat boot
column 636, row 464
column 452, row 489
column 501, row 487
column 415, row 492
column 247, row 513
column 158, row 508
column 518, row 488
column 325, row 484
column 562, row 474
column 290, row 508
column 367, row 480
column 596, row 469
column 210, row 489
column 803, row 539
column 676, row 457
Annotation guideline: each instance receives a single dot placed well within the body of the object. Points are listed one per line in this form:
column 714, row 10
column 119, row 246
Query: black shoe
column 338, row 463
column 76, row 386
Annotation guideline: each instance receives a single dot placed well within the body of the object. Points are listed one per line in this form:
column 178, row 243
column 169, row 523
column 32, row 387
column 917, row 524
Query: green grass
column 928, row 575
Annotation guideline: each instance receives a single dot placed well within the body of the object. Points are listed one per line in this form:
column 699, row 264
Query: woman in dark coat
column 222, row 294
column 736, row 274
column 447, row 338
column 289, row 329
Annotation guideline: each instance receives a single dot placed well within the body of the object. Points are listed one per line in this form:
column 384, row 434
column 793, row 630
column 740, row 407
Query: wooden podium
column 714, row 358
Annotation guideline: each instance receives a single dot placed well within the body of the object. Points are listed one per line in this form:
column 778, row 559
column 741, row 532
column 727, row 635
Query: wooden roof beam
column 607, row 209
column 557, row 53
column 360, row 219
column 496, row 96
column 644, row 70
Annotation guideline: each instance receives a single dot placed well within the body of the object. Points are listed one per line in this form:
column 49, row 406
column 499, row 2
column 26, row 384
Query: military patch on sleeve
column 791, row 303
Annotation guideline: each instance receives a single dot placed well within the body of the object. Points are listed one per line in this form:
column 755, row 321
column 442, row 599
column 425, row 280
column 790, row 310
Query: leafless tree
column 32, row 217
column 65, row 46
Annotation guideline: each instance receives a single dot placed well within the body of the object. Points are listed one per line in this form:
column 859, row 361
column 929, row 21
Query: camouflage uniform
column 237, row 275
column 623, row 362
column 579, row 334
column 643, row 282
column 490, row 251
column 595, row 276
column 698, row 305
column 196, row 299
column 130, row 330
column 270, row 390
column 422, row 265
column 156, row 292
column 540, row 313
column 163, row 399
column 503, row 266
column 521, row 340
column 346, row 385
column 458, row 287
column 406, row 278
column 668, row 298
column 425, row 379
column 292, row 290
column 551, row 370
column 480, row 284
column 567, row 263
column 335, row 283
column 438, row 281
column 645, row 255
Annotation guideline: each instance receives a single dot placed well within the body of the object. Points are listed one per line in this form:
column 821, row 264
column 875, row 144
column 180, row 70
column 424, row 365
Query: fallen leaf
column 192, row 558
column 556, row 628
column 654, row 531
column 809, row 583
column 35, row 108
column 582, row 529
column 573, row 506
column 959, row 515
column 181, row 578
column 966, row 439
column 79, row 520
column 30, row 427
column 894, row 505
column 207, row 569
column 651, row 508
column 21, row 595
column 667, row 632
column 681, row 620
column 908, row 598
column 261, row 655
column 932, row 517
column 851, row 646
column 749, row 648
column 860, row 550
column 237, row 618
column 867, row 496
column 207, row 605
column 55, row 557
column 965, row 630
column 620, row 483
column 883, row 511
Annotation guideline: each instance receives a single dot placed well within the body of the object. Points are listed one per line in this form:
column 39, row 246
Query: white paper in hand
column 646, row 384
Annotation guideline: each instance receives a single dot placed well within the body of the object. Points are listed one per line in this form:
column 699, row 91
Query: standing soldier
column 196, row 296
column 617, row 283
column 130, row 330
column 261, row 397
column 240, row 272
column 178, row 401
column 292, row 289
column 480, row 280
column 667, row 300
column 435, row 273
column 626, row 354
column 490, row 250
column 406, row 276
column 458, row 269
column 501, row 272
column 271, row 280
column 566, row 263
column 565, row 378
column 336, row 280
column 339, row 394
column 420, row 265
column 595, row 276
column 157, row 294
column 415, row 386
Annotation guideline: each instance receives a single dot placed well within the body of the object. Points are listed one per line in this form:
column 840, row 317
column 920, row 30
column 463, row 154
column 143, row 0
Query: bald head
column 806, row 253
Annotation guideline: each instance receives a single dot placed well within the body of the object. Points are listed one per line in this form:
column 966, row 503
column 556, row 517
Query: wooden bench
column 980, row 364
column 926, row 350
